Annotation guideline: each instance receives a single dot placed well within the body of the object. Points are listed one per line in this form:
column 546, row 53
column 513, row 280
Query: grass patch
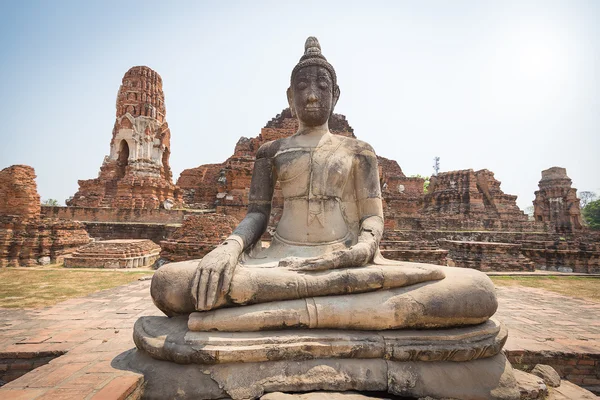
column 41, row 287
column 574, row 286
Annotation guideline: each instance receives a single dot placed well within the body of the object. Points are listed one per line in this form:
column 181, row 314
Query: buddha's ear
column 336, row 96
column 290, row 97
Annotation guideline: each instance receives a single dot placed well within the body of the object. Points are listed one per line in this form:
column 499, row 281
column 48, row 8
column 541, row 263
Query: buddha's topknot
column 312, row 56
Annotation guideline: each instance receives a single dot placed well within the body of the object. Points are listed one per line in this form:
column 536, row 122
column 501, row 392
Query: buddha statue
column 321, row 289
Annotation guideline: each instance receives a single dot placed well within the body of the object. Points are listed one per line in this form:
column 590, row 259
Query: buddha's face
column 311, row 95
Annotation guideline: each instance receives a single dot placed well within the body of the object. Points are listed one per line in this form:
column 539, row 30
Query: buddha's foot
column 464, row 297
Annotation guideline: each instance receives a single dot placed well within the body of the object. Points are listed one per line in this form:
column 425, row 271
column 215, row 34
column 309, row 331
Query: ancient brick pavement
column 93, row 330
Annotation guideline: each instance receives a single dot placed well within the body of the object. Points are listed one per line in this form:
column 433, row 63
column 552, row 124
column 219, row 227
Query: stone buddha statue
column 322, row 278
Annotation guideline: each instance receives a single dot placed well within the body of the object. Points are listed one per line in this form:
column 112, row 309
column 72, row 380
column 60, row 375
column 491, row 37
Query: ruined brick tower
column 136, row 174
column 474, row 194
column 556, row 202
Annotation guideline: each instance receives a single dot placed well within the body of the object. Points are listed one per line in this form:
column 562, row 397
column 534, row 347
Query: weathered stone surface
column 198, row 235
column 226, row 185
column 18, row 192
column 580, row 254
column 486, row 256
column 420, row 251
column 318, row 396
column 251, row 284
column 200, row 185
column 159, row 335
column 530, row 386
column 401, row 195
column 118, row 215
column 463, row 297
column 489, row 378
column 24, row 242
column 130, row 230
column 472, row 194
column 136, row 174
column 120, row 253
column 548, row 374
column 570, row 391
column 25, row 237
column 565, row 252
column 556, row 202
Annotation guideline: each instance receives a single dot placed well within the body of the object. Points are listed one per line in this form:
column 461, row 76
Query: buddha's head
column 313, row 92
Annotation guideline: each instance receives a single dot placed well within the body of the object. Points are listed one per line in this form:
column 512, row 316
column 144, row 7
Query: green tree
column 425, row 183
column 591, row 213
column 50, row 202
column 586, row 197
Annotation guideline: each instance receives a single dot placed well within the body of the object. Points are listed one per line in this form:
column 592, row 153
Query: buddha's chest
column 319, row 172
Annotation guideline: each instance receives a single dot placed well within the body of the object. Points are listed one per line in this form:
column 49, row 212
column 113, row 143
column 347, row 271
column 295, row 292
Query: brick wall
column 18, row 192
column 580, row 369
column 93, row 214
column 15, row 365
column 114, row 230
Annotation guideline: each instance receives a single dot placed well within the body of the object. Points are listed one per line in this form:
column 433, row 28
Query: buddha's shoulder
column 357, row 146
column 269, row 149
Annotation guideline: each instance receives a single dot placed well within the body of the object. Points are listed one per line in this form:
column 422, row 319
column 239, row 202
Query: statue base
column 458, row 363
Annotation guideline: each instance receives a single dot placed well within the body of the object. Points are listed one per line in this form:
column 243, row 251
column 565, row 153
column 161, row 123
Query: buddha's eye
column 302, row 85
column 323, row 84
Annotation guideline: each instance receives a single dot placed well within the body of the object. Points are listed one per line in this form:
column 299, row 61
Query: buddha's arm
column 262, row 185
column 368, row 198
column 215, row 270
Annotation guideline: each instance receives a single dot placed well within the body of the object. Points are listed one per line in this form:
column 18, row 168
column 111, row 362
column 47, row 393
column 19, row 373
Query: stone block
column 548, row 374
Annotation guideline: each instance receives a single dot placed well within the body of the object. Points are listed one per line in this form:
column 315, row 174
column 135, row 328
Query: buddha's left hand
column 356, row 256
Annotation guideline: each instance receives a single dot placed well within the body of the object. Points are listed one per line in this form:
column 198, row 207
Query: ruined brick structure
column 422, row 251
column 199, row 185
column 136, row 173
column 473, row 194
column 402, row 195
column 486, row 256
column 26, row 238
column 120, row 253
column 556, row 202
column 18, row 192
column 580, row 254
column 198, row 235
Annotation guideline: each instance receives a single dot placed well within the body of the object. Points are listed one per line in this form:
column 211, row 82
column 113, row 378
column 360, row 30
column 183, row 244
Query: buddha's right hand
column 213, row 275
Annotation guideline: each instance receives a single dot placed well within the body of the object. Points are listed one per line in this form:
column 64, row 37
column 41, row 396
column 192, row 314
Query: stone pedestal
column 460, row 363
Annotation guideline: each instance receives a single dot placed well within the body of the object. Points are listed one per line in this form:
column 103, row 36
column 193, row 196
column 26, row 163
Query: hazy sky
column 513, row 87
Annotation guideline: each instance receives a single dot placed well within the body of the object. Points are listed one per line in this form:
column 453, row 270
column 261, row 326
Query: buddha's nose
column 312, row 97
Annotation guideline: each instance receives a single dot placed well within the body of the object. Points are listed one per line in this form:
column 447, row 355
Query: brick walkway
column 540, row 320
column 93, row 330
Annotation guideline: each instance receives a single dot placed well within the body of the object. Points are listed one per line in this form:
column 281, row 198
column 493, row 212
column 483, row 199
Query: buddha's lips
column 313, row 108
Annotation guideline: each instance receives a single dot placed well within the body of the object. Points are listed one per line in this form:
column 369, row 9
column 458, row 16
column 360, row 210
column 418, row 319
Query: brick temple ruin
column 556, row 202
column 136, row 173
column 26, row 237
column 117, row 253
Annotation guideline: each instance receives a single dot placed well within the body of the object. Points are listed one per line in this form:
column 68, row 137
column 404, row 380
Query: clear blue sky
column 512, row 86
